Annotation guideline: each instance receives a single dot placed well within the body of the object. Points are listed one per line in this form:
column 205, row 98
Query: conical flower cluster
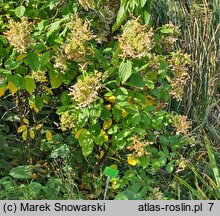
column 85, row 91
column 18, row 34
column 135, row 40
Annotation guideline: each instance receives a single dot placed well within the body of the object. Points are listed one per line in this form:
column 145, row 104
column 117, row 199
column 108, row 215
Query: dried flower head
column 139, row 147
column 39, row 76
column 181, row 124
column 181, row 165
column 61, row 61
column 171, row 36
column 156, row 194
column 135, row 41
column 179, row 66
column 66, row 121
column 85, row 91
column 76, row 45
column 87, row 4
column 18, row 34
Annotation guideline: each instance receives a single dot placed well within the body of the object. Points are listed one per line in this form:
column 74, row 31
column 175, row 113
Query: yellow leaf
column 131, row 160
column 31, row 132
column 21, row 128
column 77, row 134
column 110, row 99
column 24, row 134
column 20, row 57
column 114, row 184
column 101, row 154
column 12, row 87
column 150, row 101
column 26, row 121
column 39, row 126
column 107, row 124
column 32, row 105
column 124, row 113
column 49, row 135
column 108, row 106
column 2, row 91
column 48, row 90
column 36, row 109
column 106, row 139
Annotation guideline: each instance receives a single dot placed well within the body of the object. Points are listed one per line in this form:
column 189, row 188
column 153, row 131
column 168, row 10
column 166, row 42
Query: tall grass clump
column 200, row 30
column 199, row 24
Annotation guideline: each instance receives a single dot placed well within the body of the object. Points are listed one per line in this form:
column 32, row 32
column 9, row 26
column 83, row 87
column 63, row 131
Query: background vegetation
column 109, row 99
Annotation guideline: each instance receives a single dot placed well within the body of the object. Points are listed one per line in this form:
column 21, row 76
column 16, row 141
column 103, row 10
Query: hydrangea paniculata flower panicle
column 179, row 66
column 18, row 34
column 87, row 4
column 77, row 45
column 135, row 40
column 139, row 147
column 181, row 124
column 85, row 91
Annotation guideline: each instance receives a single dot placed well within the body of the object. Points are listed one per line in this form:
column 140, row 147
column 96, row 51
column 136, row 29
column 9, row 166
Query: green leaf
column 3, row 40
column 121, row 196
column 31, row 13
column 55, row 79
column 45, row 58
column 53, row 27
column 136, row 80
column 53, row 4
column 86, row 142
column 120, row 17
column 103, row 62
column 162, row 160
column 116, row 111
column 21, row 172
column 125, row 70
column 39, row 102
column 34, row 189
column 105, row 114
column 143, row 2
column 10, row 64
column 17, row 80
column 29, row 84
column 33, row 61
column 135, row 187
column 65, row 98
column 166, row 30
column 42, row 24
column 111, row 172
column 19, row 11
column 149, row 84
column 144, row 161
column 170, row 167
column 155, row 164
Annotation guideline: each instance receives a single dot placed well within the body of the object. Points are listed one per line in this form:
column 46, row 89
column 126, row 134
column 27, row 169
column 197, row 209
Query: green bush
column 90, row 83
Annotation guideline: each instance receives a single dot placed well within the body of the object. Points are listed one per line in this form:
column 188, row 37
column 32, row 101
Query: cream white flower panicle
column 18, row 34
column 66, row 121
column 179, row 66
column 60, row 61
column 76, row 45
column 139, row 146
column 87, row 4
column 85, row 91
column 181, row 124
column 135, row 40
